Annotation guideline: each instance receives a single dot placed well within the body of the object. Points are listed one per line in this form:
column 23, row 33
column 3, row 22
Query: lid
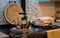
column 12, row 13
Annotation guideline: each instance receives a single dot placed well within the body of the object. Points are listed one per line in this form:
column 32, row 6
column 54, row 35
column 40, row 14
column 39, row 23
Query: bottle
column 24, row 24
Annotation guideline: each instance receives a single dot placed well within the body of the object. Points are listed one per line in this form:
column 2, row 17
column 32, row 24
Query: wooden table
column 35, row 33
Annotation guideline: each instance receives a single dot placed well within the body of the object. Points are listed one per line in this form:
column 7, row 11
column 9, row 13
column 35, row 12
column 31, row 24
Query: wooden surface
column 53, row 33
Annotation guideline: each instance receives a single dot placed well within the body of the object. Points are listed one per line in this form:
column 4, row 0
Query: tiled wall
column 32, row 9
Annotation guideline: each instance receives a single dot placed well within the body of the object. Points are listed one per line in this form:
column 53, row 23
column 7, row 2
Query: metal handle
column 12, row 1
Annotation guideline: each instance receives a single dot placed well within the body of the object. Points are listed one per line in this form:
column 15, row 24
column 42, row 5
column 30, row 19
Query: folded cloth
column 53, row 33
column 3, row 35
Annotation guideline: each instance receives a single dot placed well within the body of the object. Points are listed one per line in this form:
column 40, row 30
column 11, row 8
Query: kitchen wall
column 55, row 0
column 47, row 9
column 32, row 9
column 43, row 9
column 57, row 6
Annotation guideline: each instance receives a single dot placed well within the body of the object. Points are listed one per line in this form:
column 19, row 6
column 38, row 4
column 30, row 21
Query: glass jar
column 22, row 24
